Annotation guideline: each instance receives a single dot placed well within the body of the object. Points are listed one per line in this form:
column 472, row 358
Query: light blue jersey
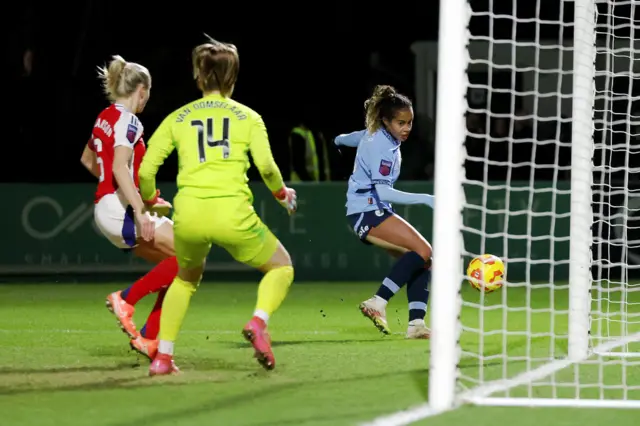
column 377, row 162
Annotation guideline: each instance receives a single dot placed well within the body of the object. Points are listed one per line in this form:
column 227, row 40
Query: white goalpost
column 538, row 131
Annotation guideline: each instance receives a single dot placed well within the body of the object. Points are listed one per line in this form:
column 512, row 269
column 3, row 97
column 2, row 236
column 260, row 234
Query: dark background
column 311, row 60
column 294, row 61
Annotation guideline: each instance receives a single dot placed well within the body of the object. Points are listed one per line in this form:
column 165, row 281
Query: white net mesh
column 616, row 292
column 518, row 198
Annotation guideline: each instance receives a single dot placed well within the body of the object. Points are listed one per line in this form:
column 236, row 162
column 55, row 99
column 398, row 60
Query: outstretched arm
column 390, row 195
column 350, row 139
column 382, row 161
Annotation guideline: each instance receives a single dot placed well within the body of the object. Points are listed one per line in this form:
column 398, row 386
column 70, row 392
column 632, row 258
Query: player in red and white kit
column 113, row 155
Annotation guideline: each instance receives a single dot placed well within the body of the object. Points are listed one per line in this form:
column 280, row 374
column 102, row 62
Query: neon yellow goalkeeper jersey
column 213, row 136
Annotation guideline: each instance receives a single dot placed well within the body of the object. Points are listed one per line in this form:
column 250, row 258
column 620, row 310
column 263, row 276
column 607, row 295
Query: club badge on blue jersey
column 385, row 167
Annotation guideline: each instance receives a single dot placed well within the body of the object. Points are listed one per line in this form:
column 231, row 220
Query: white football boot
column 418, row 330
column 376, row 310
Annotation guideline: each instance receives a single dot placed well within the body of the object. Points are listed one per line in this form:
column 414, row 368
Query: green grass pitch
column 64, row 362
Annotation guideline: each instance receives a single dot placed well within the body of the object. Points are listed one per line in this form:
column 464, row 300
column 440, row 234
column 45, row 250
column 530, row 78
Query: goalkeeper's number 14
column 205, row 137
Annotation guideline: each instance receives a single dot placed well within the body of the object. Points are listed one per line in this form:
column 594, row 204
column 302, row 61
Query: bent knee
column 281, row 258
column 191, row 275
column 424, row 251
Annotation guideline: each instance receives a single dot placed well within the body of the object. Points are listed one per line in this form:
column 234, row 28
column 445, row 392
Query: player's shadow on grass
column 202, row 363
column 104, row 384
column 243, row 345
column 111, row 351
column 78, row 369
column 190, row 362
column 64, row 380
column 247, row 399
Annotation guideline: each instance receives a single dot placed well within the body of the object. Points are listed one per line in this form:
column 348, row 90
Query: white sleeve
column 127, row 130
column 386, row 193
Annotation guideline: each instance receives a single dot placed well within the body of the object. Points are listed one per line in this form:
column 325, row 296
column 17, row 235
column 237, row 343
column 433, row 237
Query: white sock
column 381, row 300
column 165, row 347
column 262, row 315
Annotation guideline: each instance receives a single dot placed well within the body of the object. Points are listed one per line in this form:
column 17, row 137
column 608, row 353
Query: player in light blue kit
column 389, row 117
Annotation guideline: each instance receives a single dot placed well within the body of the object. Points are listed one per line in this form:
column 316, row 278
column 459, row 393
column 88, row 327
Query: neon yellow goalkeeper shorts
column 228, row 222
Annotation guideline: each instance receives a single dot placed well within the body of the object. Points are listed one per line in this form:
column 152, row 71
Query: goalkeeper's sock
column 401, row 272
column 174, row 308
column 152, row 326
column 156, row 279
column 272, row 290
column 418, row 294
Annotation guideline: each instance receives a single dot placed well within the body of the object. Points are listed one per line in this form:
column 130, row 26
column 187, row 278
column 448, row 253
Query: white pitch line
column 402, row 418
column 477, row 395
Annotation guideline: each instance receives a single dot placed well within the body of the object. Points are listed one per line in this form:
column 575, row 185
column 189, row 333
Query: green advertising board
column 49, row 229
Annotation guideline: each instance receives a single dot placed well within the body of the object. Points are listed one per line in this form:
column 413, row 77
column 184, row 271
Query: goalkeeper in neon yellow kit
column 213, row 136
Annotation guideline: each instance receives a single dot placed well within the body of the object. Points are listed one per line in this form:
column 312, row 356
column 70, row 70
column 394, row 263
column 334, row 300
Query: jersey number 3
column 207, row 129
column 97, row 146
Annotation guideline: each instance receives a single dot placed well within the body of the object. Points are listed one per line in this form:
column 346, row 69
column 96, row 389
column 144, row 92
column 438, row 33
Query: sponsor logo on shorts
column 363, row 230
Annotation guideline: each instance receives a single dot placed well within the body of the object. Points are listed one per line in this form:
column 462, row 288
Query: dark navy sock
column 125, row 292
column 401, row 272
column 143, row 331
column 418, row 294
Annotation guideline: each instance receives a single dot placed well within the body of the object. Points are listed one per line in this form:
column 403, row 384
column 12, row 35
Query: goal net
column 546, row 97
column 616, row 189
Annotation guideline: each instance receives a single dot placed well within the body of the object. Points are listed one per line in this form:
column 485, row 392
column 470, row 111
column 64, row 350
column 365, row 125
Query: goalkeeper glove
column 158, row 205
column 287, row 198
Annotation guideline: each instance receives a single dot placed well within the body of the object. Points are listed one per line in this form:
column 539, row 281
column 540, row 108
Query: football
column 486, row 273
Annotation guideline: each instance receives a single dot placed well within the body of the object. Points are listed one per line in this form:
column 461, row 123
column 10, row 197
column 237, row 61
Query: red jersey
column 116, row 126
